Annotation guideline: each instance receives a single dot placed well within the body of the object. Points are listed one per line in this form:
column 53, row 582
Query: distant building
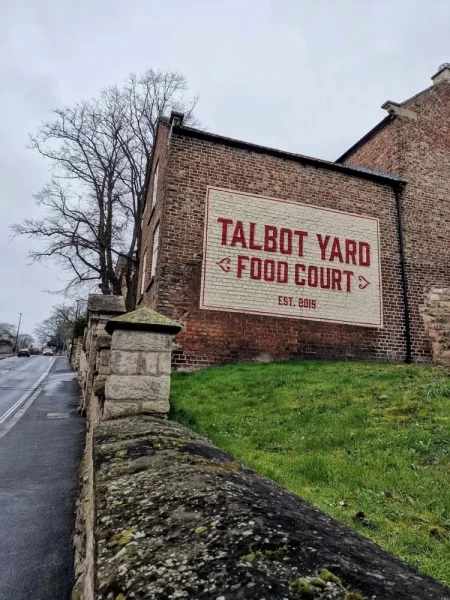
column 268, row 255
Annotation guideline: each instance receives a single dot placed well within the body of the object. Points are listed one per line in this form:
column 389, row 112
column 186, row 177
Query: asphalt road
column 17, row 377
column 40, row 449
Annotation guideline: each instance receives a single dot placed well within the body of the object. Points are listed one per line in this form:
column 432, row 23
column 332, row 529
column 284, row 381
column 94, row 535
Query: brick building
column 264, row 254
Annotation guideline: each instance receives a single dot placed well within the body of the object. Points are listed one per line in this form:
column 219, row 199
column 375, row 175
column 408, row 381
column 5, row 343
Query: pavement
column 41, row 443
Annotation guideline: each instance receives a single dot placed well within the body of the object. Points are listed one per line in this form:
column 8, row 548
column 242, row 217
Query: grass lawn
column 367, row 443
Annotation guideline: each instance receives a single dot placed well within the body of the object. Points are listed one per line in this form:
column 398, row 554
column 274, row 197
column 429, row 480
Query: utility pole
column 73, row 333
column 17, row 335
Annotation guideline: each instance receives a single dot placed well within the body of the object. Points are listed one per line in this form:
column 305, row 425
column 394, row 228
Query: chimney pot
column 442, row 73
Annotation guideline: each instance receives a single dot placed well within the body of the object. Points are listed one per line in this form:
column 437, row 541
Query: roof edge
column 385, row 178
column 365, row 138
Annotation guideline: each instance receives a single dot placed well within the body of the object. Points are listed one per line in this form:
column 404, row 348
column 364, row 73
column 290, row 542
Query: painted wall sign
column 285, row 259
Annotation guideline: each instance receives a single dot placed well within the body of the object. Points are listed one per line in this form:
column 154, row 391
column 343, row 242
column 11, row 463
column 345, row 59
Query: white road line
column 10, row 411
column 3, row 372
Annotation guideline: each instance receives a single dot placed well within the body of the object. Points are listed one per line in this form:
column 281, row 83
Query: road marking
column 27, row 394
column 3, row 372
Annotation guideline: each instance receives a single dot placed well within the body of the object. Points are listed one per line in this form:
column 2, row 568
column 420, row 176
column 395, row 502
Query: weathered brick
column 418, row 151
column 414, row 149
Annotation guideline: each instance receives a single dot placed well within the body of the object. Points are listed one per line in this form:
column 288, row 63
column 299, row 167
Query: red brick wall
column 154, row 215
column 419, row 151
column 212, row 337
column 381, row 151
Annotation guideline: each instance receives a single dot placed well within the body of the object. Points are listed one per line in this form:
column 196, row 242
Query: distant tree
column 8, row 328
column 23, row 341
column 99, row 151
column 78, row 326
column 56, row 330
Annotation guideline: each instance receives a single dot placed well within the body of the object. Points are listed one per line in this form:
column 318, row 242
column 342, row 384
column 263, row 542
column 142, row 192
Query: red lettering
column 225, row 223
column 313, row 276
column 269, row 274
column 349, row 275
column 364, row 254
column 325, row 285
column 336, row 276
column 238, row 235
column 301, row 235
column 282, row 272
column 255, row 268
column 285, row 241
column 350, row 252
column 270, row 238
column 298, row 270
column 323, row 243
column 336, row 251
column 252, row 245
column 240, row 265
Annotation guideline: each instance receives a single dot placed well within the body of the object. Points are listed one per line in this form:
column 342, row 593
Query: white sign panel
column 281, row 258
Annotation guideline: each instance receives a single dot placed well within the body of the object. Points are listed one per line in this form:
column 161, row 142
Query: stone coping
column 143, row 319
column 178, row 518
column 105, row 304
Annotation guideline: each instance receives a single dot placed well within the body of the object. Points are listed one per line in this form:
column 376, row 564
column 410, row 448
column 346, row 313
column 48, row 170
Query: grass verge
column 367, row 443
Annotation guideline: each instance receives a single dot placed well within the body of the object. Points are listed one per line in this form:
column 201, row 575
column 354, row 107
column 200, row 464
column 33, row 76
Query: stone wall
column 124, row 368
column 76, row 353
column 177, row 518
column 164, row 514
column 93, row 360
column 436, row 317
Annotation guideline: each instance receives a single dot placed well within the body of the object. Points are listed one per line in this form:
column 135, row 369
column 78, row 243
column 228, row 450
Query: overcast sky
column 308, row 77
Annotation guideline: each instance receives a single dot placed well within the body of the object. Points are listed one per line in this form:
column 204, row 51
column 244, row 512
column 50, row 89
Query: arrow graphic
column 363, row 283
column 225, row 264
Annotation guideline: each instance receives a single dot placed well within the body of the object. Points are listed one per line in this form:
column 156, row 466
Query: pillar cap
column 105, row 304
column 144, row 319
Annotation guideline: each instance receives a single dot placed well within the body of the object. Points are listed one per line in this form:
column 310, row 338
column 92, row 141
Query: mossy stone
column 302, row 588
column 144, row 319
column 327, row 575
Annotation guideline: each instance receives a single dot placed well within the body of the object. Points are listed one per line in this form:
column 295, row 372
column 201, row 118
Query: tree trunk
column 131, row 285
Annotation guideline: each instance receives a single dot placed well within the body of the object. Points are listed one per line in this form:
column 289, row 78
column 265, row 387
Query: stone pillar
column 140, row 364
column 76, row 353
column 100, row 309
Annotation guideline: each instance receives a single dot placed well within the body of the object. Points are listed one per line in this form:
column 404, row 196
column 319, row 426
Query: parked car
column 24, row 352
column 47, row 352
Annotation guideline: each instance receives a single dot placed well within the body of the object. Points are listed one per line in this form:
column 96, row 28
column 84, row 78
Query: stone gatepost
column 140, row 364
column 100, row 309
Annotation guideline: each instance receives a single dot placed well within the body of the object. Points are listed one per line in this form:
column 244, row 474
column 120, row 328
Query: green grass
column 367, row 443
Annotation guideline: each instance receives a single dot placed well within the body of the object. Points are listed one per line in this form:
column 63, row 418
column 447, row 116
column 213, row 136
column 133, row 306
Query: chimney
column 176, row 119
column 442, row 73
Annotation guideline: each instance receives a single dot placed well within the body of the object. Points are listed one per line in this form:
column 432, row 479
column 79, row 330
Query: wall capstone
column 138, row 380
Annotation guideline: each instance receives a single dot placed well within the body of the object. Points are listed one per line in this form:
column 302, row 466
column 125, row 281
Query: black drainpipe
column 398, row 200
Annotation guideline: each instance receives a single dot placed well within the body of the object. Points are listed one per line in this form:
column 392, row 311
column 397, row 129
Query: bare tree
column 100, row 151
column 8, row 328
column 24, row 339
column 57, row 328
